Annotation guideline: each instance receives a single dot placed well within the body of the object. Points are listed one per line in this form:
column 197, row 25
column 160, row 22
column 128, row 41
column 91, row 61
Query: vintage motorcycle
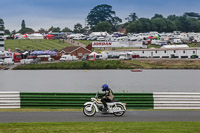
column 114, row 107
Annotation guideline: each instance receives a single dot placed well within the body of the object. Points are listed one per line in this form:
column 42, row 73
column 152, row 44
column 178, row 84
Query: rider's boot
column 105, row 110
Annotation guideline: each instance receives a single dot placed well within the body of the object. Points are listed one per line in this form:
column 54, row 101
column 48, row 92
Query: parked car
column 85, row 57
column 68, row 58
column 36, row 60
column 26, row 61
column 8, row 61
column 51, row 59
column 1, row 61
column 125, row 56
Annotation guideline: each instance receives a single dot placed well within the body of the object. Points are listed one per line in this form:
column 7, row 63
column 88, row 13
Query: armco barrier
column 176, row 100
column 76, row 100
column 156, row 100
column 9, row 100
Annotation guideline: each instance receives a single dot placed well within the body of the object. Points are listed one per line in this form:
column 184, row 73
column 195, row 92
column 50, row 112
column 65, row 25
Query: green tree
column 188, row 22
column 172, row 17
column 26, row 30
column 132, row 17
column 157, row 16
column 66, row 29
column 78, row 28
column 23, row 25
column 2, row 24
column 103, row 26
column 42, row 30
column 159, row 24
column 13, row 32
column 193, row 15
column 135, row 26
column 146, row 24
column 102, row 13
column 54, row 29
column 7, row 32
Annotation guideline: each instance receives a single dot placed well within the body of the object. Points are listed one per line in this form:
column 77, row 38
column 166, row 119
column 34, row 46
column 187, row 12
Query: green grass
column 77, row 65
column 1, row 67
column 86, row 42
column 35, row 44
column 117, row 64
column 102, row 127
column 153, row 46
column 194, row 45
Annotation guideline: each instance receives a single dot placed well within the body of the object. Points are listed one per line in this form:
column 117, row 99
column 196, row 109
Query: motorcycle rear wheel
column 89, row 113
column 119, row 113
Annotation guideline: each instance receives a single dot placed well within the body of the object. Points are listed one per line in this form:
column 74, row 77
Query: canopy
column 49, row 36
column 152, row 37
column 46, row 52
column 157, row 37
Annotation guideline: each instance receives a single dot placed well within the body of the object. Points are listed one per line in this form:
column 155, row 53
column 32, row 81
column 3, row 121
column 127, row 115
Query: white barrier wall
column 176, row 100
column 9, row 100
column 162, row 100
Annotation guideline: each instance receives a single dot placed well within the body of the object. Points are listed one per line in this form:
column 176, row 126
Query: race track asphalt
column 129, row 116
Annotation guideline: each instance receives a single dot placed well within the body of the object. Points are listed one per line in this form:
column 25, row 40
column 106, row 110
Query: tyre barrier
column 176, row 100
column 77, row 100
column 156, row 100
column 9, row 100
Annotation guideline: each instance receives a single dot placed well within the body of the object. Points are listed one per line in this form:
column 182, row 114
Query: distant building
column 2, row 41
column 165, row 52
column 77, row 51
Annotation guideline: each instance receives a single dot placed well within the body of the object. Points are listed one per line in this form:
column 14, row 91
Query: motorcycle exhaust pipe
column 119, row 111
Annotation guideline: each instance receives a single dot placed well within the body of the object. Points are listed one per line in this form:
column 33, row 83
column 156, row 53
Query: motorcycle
column 114, row 107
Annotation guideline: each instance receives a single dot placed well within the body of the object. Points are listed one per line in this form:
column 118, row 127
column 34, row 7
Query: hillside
column 35, row 44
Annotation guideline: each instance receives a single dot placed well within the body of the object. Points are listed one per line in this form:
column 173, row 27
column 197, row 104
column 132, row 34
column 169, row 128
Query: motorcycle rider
column 107, row 97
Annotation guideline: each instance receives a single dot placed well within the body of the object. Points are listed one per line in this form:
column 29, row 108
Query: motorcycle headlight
column 93, row 99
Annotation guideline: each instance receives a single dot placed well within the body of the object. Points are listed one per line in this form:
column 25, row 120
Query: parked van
column 1, row 61
column 26, row 61
column 85, row 57
column 98, row 57
column 125, row 56
column 8, row 61
column 102, row 56
column 68, row 58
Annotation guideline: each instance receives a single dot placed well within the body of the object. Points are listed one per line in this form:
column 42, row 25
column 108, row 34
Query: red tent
column 25, row 36
column 49, row 36
column 152, row 37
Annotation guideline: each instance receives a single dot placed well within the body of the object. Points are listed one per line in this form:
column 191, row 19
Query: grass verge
column 35, row 44
column 102, row 127
column 85, row 42
column 117, row 64
column 77, row 65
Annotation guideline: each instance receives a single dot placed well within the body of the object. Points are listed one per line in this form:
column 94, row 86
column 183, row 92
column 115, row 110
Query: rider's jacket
column 109, row 94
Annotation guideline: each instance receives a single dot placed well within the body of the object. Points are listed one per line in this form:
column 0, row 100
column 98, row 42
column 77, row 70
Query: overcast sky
column 66, row 13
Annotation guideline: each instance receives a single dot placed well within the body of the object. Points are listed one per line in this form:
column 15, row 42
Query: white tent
column 92, row 56
column 35, row 36
column 98, row 34
column 175, row 46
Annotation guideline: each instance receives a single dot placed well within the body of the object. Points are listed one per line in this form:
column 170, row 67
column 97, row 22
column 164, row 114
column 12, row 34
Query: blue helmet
column 104, row 87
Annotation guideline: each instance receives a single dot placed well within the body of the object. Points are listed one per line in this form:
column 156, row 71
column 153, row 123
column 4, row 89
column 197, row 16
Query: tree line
column 103, row 18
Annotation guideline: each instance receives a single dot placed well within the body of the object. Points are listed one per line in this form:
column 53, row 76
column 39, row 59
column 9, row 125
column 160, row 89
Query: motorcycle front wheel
column 119, row 113
column 87, row 112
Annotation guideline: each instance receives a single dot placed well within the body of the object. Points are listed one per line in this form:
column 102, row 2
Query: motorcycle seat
column 114, row 100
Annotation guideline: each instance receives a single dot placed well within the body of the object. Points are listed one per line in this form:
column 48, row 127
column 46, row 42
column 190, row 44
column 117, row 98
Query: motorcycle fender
column 91, row 103
column 121, row 104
